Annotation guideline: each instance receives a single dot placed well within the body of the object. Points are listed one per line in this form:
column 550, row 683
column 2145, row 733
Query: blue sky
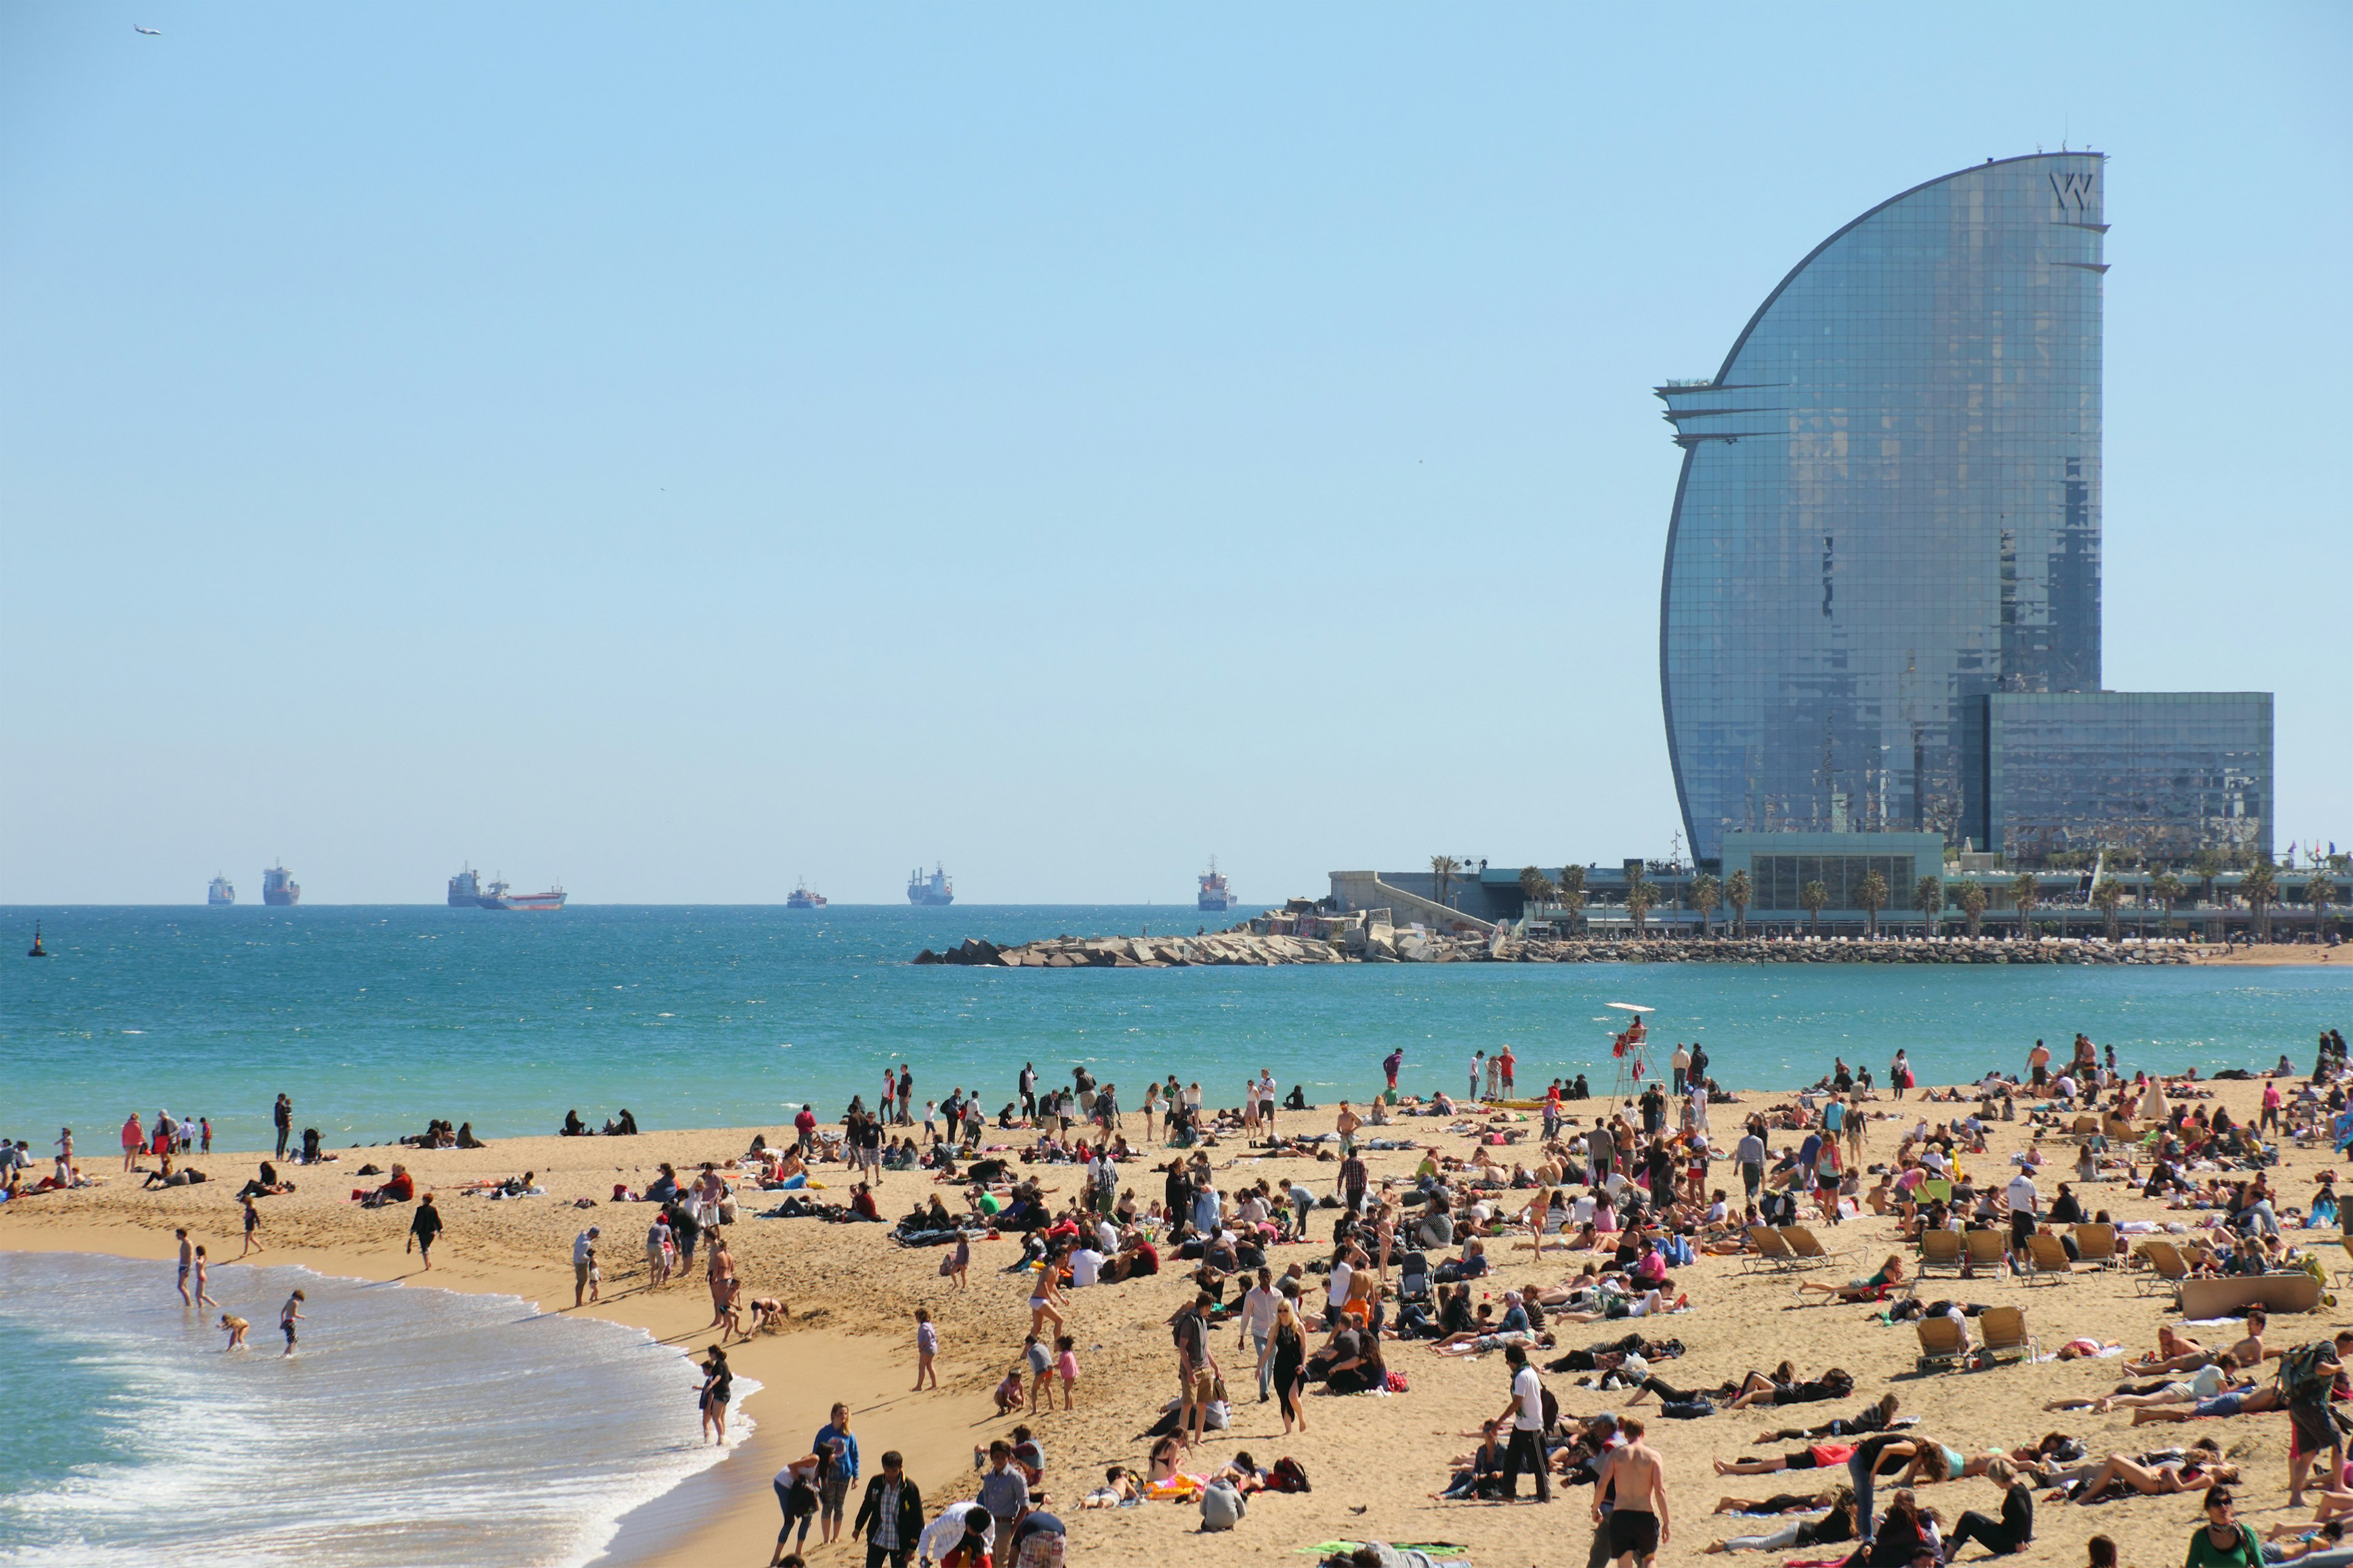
column 675, row 450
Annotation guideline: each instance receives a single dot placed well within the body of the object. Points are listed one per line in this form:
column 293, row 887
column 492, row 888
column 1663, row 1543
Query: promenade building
column 1881, row 605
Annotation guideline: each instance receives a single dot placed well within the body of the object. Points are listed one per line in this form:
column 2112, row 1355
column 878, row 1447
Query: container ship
column 222, row 891
column 1216, row 893
column 469, row 891
column 932, row 892
column 802, row 898
column 278, row 887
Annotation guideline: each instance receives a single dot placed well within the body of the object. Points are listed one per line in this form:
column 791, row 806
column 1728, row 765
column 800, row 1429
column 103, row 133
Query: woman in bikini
column 1889, row 1276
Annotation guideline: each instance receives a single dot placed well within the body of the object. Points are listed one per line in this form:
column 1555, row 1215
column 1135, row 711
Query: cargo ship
column 1216, row 893
column 469, row 891
column 932, row 892
column 279, row 886
column 802, row 898
column 222, row 891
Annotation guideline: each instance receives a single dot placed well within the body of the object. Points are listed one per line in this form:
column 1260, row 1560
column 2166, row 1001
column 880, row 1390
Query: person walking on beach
column 892, row 1512
column 1525, row 1413
column 282, row 1115
column 423, row 1228
column 717, row 1388
column 187, row 1262
column 1197, row 1367
column 906, row 1090
column 1029, row 1092
column 1393, row 1064
column 927, row 1350
column 658, row 1252
column 1637, row 1520
column 133, row 1140
column 287, row 1316
column 252, row 1224
column 834, row 1439
column 584, row 1254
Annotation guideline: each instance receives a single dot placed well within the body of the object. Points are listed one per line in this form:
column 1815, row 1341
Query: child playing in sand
column 1009, row 1392
column 236, row 1327
column 1066, row 1365
column 927, row 1348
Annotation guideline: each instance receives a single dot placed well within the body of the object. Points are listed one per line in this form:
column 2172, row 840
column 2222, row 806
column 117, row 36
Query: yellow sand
column 1372, row 1460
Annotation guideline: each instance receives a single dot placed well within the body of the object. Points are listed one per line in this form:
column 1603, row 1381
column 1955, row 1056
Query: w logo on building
column 2074, row 190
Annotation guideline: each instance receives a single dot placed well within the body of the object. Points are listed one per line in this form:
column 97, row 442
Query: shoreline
column 1373, row 1459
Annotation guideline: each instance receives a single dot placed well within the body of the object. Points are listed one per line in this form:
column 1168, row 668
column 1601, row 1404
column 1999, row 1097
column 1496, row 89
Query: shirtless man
column 2187, row 1356
column 1637, row 1523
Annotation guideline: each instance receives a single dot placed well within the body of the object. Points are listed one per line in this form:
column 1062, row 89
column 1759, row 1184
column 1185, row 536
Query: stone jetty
column 1341, row 939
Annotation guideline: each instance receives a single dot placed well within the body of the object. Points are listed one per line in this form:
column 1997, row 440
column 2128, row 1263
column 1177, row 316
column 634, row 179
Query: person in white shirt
column 1106, row 1237
column 2023, row 1200
column 1682, row 1062
column 1526, row 1414
column 1086, row 1267
column 1258, row 1325
column 1343, row 1272
column 1699, row 1107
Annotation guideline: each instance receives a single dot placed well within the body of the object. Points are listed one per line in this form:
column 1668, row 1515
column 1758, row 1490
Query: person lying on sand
column 2202, row 1467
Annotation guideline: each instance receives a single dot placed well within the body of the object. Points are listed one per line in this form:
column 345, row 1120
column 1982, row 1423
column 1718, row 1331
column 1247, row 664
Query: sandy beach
column 1373, row 1459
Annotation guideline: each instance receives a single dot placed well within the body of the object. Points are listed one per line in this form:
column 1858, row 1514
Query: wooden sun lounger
column 1807, row 1248
column 2233, row 1294
column 1944, row 1343
column 1940, row 1250
column 2095, row 1246
column 2046, row 1258
column 1986, row 1247
column 2003, row 1330
column 1772, row 1254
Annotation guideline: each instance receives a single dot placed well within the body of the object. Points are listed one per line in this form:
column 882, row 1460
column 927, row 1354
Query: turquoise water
column 376, row 1019
column 416, row 1425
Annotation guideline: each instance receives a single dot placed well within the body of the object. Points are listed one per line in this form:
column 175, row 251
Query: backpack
column 2299, row 1373
column 1287, row 1477
column 1222, row 1506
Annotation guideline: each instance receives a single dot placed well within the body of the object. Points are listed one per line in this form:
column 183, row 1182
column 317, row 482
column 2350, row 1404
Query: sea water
column 375, row 1020
column 412, row 1426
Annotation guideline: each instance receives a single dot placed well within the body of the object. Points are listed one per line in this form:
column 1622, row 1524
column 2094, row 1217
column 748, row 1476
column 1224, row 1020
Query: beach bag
column 1222, row 1506
column 1397, row 1383
column 1288, row 1476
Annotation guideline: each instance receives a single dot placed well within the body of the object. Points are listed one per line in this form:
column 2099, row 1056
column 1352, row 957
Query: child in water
column 236, row 1327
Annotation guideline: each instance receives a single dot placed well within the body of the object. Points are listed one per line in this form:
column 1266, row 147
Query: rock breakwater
column 1361, row 943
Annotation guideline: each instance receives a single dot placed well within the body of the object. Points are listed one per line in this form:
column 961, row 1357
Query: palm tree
column 1706, row 893
column 1535, row 886
column 2167, row 889
column 1811, row 898
column 2259, row 885
column 1872, row 898
column 1972, row 900
column 1571, row 893
column 1640, row 894
column 2319, row 892
column 2026, row 892
column 1928, row 898
column 1443, row 869
column 2208, row 864
column 2108, row 896
column 1737, row 892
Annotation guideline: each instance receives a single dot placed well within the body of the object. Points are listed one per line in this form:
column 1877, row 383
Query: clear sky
column 672, row 449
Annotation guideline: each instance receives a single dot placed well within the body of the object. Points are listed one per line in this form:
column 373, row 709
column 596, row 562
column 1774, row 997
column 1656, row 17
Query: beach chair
column 1944, row 1343
column 2003, row 1332
column 1772, row 1254
column 2047, row 1259
column 1940, row 1250
column 1807, row 1248
column 1986, row 1248
column 2085, row 1126
column 2165, row 1269
column 2095, row 1246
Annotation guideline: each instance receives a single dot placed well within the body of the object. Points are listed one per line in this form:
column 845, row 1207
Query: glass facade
column 2164, row 774
column 1889, row 507
column 1779, row 865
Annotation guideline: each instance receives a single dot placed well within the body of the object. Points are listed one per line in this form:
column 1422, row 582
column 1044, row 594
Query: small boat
column 37, row 950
